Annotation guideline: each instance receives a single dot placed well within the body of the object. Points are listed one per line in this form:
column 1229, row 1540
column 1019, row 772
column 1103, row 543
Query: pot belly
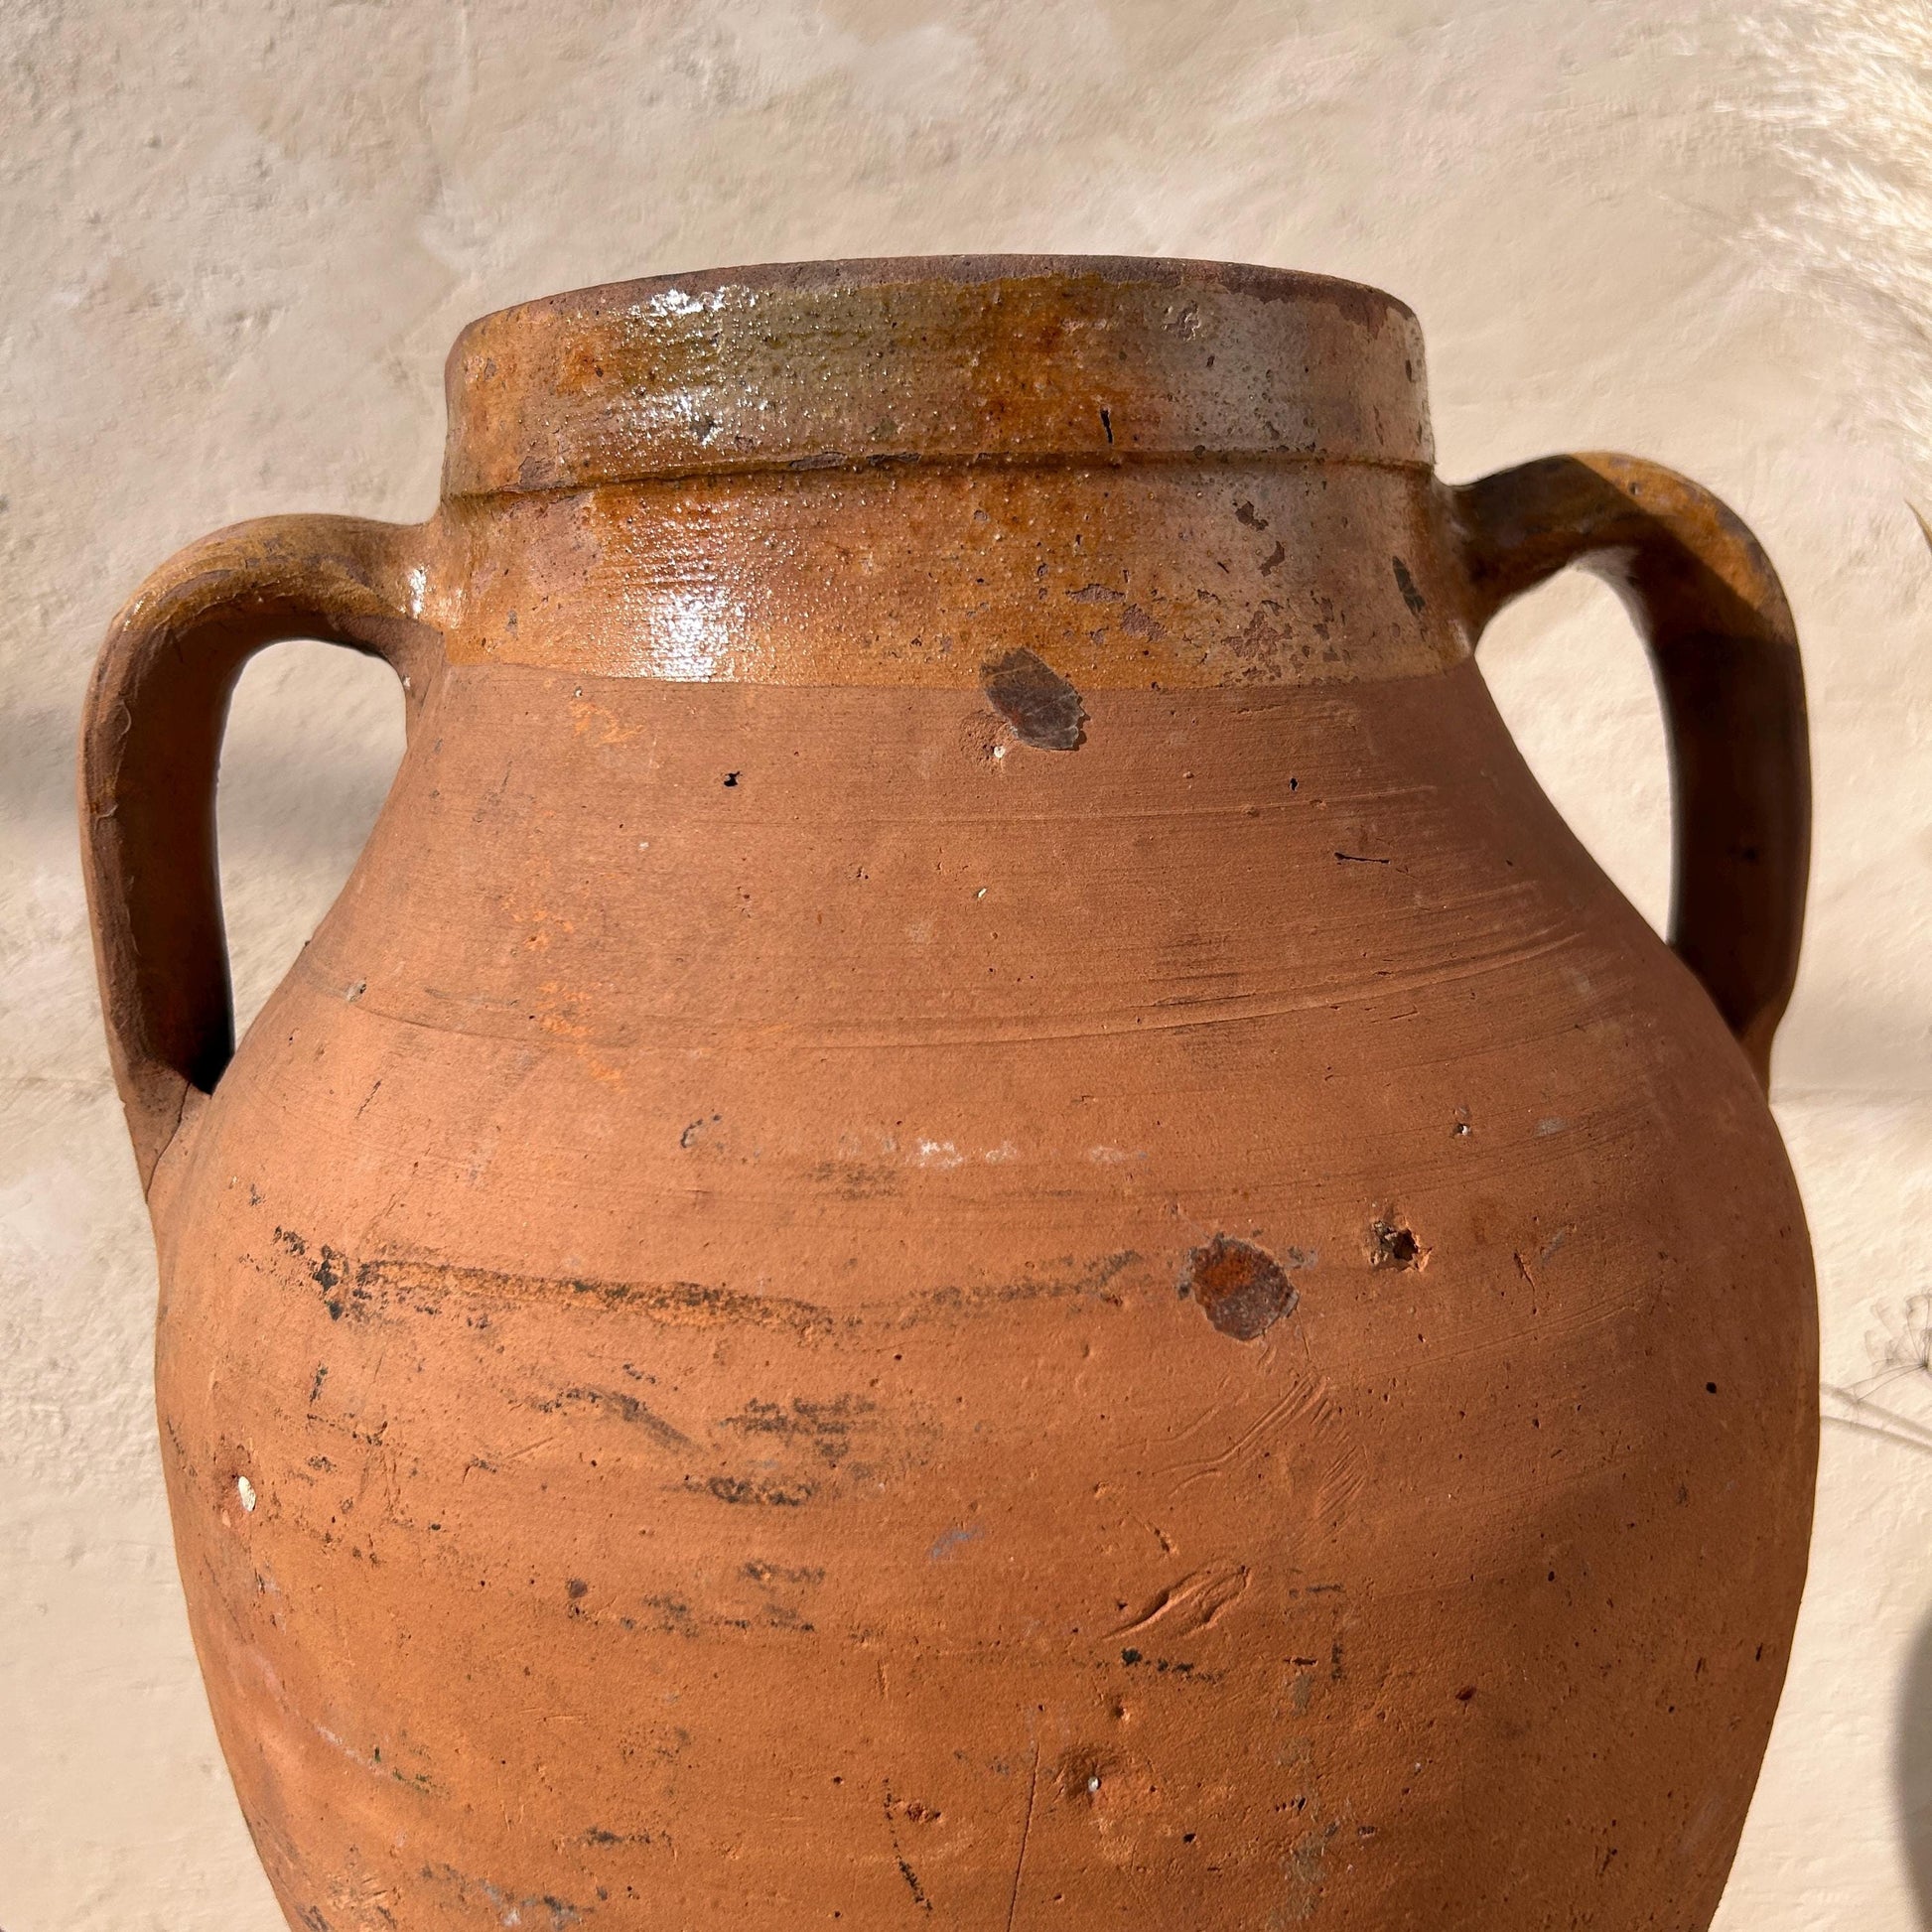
column 1457, row 1595
column 1326, row 1449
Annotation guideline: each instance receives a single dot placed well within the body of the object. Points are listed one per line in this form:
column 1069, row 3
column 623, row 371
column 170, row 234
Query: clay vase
column 972, row 1215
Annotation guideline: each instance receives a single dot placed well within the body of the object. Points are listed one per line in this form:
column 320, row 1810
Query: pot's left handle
column 150, row 743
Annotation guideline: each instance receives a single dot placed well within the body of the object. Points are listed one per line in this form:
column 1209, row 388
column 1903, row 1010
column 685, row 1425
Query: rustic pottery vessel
column 973, row 1217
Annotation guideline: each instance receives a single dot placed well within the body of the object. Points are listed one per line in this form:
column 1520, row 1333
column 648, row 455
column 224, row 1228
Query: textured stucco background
column 238, row 240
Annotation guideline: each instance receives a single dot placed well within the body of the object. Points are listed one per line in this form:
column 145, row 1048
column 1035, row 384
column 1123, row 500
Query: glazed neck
column 1155, row 473
column 1160, row 576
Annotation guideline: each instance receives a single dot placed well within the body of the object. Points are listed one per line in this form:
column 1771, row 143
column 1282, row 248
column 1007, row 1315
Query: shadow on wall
column 1842, row 1042
column 1912, row 1771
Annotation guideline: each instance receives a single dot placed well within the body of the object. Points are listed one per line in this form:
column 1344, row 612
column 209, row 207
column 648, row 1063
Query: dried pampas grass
column 1843, row 89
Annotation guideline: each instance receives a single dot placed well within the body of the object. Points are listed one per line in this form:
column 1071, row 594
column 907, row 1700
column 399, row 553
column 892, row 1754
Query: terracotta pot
column 972, row 1214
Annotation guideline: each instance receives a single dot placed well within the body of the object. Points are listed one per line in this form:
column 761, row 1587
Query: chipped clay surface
column 251, row 241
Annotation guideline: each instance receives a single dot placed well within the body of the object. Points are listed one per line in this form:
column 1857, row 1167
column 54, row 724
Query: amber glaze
column 972, row 1215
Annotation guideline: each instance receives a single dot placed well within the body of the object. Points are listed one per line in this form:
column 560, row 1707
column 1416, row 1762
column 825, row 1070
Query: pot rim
column 970, row 358
column 838, row 273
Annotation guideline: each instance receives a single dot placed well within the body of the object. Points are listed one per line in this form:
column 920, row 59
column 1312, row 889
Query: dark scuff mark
column 1275, row 559
column 770, row 1495
column 329, row 1270
column 385, row 1288
column 673, row 1616
column 1240, row 1287
column 911, row 1878
column 506, row 1906
column 1162, row 1665
column 953, row 1302
column 825, row 1427
column 773, row 1572
column 1246, row 514
column 858, row 1180
column 906, row 1870
column 1042, row 708
column 1406, row 584
column 627, row 1408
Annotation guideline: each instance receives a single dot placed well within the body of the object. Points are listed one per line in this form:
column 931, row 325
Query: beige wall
column 235, row 243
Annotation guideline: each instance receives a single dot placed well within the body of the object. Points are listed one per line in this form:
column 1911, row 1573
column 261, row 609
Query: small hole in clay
column 1393, row 1244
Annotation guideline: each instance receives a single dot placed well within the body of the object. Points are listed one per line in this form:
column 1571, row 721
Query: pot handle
column 150, row 744
column 1711, row 610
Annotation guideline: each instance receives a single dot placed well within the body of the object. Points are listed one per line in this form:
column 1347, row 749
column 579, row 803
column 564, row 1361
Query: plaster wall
column 238, row 240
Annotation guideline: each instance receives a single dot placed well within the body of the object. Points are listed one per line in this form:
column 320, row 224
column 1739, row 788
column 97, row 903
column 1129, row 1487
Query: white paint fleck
column 246, row 1491
column 694, row 632
column 677, row 302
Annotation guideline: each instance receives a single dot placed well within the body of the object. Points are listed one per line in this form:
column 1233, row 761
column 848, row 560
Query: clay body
column 972, row 1214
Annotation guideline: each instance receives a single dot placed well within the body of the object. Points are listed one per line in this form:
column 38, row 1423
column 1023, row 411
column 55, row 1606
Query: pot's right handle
column 151, row 737
column 1714, row 615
